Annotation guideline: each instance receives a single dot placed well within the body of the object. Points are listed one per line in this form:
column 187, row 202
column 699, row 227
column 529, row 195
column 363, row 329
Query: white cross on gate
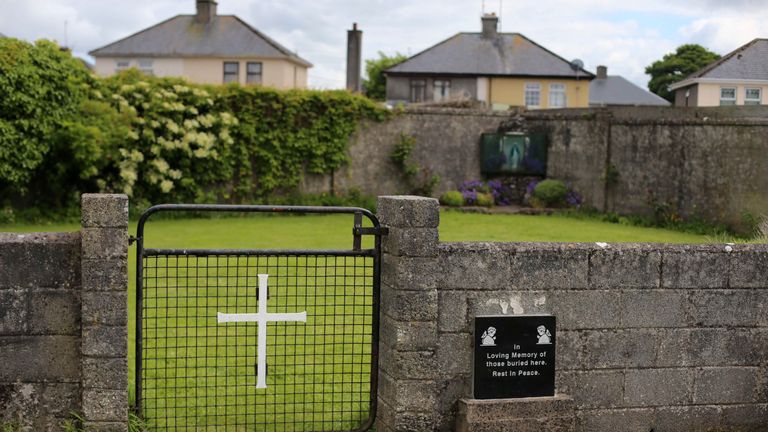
column 262, row 318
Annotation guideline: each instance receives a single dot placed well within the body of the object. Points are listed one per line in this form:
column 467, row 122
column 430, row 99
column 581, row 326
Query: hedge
column 64, row 132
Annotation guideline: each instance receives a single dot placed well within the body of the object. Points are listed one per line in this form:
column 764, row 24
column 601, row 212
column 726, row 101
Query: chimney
column 206, row 11
column 490, row 26
column 602, row 72
column 354, row 59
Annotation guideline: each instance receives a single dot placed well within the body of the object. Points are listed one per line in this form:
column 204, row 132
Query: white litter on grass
column 603, row 245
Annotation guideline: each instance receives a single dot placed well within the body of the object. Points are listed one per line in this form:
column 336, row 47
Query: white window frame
column 532, row 90
column 256, row 78
column 441, row 90
column 753, row 101
column 146, row 66
column 558, row 89
column 121, row 65
column 728, row 101
column 236, row 74
column 418, row 90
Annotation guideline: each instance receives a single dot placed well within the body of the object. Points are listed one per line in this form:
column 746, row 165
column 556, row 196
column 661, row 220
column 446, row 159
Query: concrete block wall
column 63, row 318
column 650, row 337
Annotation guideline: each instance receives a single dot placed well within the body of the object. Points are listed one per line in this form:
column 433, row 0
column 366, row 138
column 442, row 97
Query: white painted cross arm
column 261, row 318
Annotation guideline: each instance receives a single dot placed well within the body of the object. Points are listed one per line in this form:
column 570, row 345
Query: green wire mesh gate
column 202, row 319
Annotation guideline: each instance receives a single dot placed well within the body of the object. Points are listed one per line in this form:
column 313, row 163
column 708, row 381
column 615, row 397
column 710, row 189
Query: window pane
column 418, row 90
column 728, row 93
column 533, row 94
column 231, row 67
column 254, row 68
column 753, row 96
column 557, row 97
column 442, row 90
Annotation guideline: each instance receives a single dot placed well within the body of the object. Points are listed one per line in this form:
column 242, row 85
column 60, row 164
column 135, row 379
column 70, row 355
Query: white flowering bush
column 180, row 143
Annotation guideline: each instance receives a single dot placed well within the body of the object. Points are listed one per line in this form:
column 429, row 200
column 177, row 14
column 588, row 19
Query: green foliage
column 485, row 199
column 375, row 85
column 136, row 423
column 452, row 198
column 611, row 175
column 6, row 426
column 420, row 180
column 280, row 133
column 42, row 88
column 551, row 193
column 64, row 132
column 675, row 223
column 74, row 423
column 674, row 67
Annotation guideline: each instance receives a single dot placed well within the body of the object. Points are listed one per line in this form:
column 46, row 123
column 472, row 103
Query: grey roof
column 182, row 36
column 748, row 62
column 2, row 35
column 617, row 90
column 472, row 54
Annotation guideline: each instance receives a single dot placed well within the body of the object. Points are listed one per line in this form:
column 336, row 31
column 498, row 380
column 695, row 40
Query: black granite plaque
column 514, row 356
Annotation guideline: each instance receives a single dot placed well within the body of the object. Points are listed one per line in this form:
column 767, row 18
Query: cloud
column 627, row 36
column 723, row 34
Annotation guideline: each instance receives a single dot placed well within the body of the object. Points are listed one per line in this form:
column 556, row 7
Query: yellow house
column 499, row 69
column 205, row 48
column 739, row 78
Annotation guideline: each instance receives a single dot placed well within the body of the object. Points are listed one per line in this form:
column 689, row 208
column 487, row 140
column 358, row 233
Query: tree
column 674, row 67
column 375, row 85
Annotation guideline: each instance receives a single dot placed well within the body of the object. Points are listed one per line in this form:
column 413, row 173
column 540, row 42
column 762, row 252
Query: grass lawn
column 204, row 363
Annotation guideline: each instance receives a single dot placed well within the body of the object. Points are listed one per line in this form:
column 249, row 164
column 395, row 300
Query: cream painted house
column 739, row 78
column 206, row 48
column 499, row 69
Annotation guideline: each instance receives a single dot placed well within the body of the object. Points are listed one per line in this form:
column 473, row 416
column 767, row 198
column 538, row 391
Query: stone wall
column 650, row 337
column 707, row 162
column 63, row 321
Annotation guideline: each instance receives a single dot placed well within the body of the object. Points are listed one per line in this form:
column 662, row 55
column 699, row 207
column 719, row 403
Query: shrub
column 551, row 193
column 485, row 199
column 452, row 199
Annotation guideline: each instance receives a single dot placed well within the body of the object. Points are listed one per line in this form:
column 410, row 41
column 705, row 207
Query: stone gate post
column 409, row 385
column 104, row 335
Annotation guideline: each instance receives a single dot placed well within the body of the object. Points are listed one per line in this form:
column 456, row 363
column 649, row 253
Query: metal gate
column 213, row 354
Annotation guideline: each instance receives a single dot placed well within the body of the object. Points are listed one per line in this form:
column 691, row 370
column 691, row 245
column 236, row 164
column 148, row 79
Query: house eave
column 721, row 81
column 488, row 75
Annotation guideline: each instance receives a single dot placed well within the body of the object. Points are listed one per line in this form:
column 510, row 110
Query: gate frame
column 357, row 232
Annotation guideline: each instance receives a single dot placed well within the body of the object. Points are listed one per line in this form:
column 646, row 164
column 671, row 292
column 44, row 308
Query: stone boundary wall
column 650, row 337
column 63, row 322
column 705, row 162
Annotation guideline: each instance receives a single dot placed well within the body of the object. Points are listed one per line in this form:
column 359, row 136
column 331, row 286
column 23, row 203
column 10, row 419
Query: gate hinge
column 132, row 240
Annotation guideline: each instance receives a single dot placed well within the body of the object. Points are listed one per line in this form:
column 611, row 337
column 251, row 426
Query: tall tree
column 375, row 84
column 674, row 67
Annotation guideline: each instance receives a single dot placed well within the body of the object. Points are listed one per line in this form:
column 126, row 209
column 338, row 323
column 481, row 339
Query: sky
column 625, row 35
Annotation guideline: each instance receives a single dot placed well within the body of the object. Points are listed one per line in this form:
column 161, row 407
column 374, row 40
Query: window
column 145, row 66
column 231, row 72
column 418, row 90
column 533, row 95
column 753, row 96
column 122, row 65
column 253, row 70
column 557, row 97
column 442, row 90
column 727, row 96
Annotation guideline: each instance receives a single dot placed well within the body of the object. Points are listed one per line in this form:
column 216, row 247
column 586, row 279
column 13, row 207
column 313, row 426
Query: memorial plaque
column 514, row 356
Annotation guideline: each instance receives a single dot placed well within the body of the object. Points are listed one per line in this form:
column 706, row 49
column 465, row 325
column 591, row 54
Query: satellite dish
column 577, row 65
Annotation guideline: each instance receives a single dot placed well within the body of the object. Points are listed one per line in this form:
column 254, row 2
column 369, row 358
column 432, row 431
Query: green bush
column 550, row 193
column 42, row 88
column 452, row 199
column 485, row 199
column 64, row 132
